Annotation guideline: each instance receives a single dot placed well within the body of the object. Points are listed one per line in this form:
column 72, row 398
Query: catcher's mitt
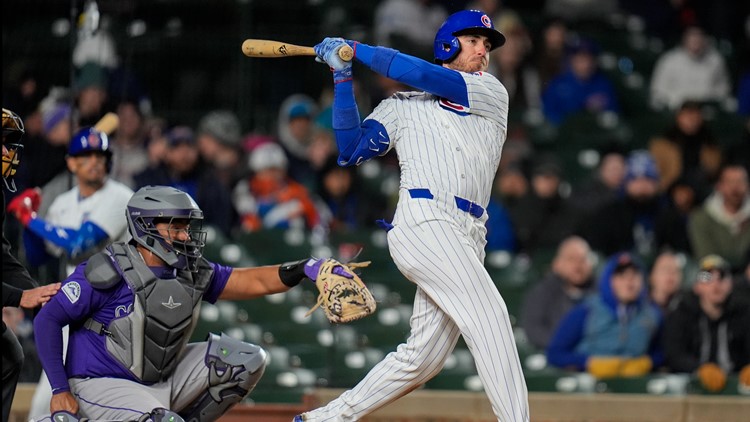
column 343, row 299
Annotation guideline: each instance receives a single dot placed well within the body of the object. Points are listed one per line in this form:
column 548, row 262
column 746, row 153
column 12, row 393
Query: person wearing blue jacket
column 615, row 332
column 580, row 87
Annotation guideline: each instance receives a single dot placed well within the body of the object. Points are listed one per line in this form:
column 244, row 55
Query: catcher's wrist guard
column 292, row 273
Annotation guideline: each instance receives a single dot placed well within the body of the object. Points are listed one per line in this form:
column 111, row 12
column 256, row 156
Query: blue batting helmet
column 90, row 140
column 464, row 22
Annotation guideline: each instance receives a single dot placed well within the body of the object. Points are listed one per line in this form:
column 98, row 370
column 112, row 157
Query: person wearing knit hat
column 270, row 198
column 91, row 93
column 219, row 140
column 629, row 222
column 295, row 131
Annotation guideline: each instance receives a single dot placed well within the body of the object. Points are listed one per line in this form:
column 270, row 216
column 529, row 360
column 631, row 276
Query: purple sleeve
column 75, row 302
column 218, row 282
column 48, row 334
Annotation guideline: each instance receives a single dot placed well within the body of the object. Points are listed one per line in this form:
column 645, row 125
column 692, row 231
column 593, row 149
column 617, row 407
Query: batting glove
column 25, row 205
column 328, row 52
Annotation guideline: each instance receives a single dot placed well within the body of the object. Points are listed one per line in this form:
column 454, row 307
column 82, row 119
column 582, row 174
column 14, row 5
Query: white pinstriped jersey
column 446, row 147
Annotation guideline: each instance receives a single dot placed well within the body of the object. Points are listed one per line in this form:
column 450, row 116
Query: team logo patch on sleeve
column 454, row 107
column 73, row 291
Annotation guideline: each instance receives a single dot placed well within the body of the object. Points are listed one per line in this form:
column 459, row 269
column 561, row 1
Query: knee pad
column 234, row 368
column 160, row 415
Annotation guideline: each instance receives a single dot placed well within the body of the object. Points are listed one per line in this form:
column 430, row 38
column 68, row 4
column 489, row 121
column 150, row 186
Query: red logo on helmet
column 93, row 140
column 486, row 21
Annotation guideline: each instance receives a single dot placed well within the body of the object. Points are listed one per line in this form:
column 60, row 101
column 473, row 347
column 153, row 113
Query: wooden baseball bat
column 269, row 48
column 108, row 123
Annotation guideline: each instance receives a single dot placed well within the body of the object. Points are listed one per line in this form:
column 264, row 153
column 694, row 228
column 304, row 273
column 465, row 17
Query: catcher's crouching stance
column 133, row 307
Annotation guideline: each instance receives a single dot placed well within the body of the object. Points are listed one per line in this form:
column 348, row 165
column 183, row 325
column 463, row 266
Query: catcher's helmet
column 89, row 140
column 153, row 204
column 13, row 131
column 447, row 45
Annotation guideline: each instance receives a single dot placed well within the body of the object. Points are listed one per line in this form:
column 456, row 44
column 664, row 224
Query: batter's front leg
column 432, row 339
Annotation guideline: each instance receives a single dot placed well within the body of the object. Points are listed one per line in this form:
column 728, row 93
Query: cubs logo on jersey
column 454, row 107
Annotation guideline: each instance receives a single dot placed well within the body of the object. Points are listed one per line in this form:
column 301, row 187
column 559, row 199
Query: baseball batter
column 449, row 140
column 131, row 310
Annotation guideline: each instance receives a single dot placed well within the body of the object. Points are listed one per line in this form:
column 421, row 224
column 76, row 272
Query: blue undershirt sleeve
column 74, row 242
column 415, row 72
column 36, row 252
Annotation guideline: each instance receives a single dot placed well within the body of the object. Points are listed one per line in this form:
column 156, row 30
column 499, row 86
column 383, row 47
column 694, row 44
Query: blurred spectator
column 581, row 10
column 722, row 225
column 672, row 220
column 129, row 154
column 183, row 169
column 408, row 25
column 219, row 136
column 580, row 87
column 322, row 148
column 693, row 70
column 563, row 287
column 742, row 282
column 511, row 185
column 46, row 140
column 501, row 234
column 24, row 94
column 659, row 16
column 344, row 205
column 511, row 64
column 665, row 281
column 270, row 198
column 708, row 332
column 549, row 54
column 687, row 150
column 743, row 94
column 615, row 332
column 629, row 223
column 543, row 218
column 157, row 142
column 295, row 130
column 91, row 94
column 604, row 185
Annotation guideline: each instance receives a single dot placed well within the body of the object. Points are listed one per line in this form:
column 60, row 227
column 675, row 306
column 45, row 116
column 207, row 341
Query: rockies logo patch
column 73, row 291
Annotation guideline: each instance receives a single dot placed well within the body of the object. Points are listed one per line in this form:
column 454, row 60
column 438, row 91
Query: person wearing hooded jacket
column 295, row 130
column 615, row 332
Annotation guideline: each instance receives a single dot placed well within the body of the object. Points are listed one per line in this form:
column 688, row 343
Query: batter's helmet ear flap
column 447, row 46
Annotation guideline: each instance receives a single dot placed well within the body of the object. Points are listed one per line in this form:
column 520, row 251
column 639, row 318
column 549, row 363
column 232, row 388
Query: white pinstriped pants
column 455, row 296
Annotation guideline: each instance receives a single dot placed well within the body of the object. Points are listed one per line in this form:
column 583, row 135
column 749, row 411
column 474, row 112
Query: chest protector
column 149, row 340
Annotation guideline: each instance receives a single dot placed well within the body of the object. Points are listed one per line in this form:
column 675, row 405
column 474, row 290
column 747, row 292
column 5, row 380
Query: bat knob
column 346, row 53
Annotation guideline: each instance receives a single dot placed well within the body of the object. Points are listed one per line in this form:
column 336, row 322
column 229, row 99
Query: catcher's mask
column 13, row 131
column 152, row 205
column 446, row 46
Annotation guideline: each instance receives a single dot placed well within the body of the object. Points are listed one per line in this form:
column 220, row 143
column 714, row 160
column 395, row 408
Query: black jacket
column 691, row 339
column 15, row 277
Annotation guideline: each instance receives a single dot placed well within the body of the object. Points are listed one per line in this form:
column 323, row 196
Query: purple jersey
column 76, row 302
